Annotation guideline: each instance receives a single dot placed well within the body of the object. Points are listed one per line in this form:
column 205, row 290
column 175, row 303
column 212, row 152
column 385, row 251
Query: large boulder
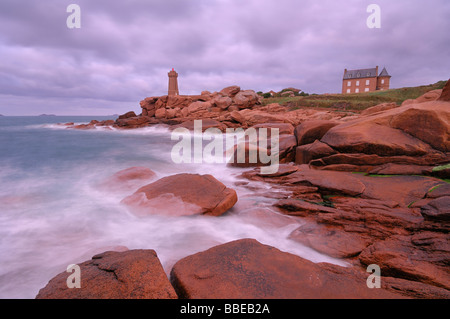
column 415, row 134
column 133, row 274
column 379, row 108
column 328, row 181
column 430, row 124
column 230, row 91
column 223, row 102
column 205, row 124
column 160, row 113
column 283, row 128
column 400, row 189
column 309, row 131
column 179, row 101
column 372, row 138
column 308, row 152
column 198, row 106
column 427, row 97
column 246, row 99
column 133, row 122
column 148, row 106
column 249, row 117
column 438, row 209
column 286, row 148
column 421, row 257
column 181, row 195
column 247, row 269
column 248, row 155
column 445, row 95
column 332, row 241
column 128, row 179
column 127, row 115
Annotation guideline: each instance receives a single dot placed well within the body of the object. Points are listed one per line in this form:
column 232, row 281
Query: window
column 366, row 90
column 382, row 81
column 357, row 83
column 358, row 75
column 368, row 74
column 357, row 91
column 367, row 82
column 349, row 83
column 348, row 91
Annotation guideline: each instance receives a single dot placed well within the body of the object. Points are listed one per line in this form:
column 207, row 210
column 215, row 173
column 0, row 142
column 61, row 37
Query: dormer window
column 358, row 75
column 368, row 73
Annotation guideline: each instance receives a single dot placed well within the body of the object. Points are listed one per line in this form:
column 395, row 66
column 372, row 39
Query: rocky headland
column 368, row 188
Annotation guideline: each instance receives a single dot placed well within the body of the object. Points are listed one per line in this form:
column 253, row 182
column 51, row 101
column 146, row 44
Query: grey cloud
column 124, row 49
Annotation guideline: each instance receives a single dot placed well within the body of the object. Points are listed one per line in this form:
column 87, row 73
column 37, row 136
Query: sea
column 55, row 210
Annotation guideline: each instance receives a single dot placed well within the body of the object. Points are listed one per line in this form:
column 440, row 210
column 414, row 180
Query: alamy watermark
column 74, row 19
column 74, row 280
column 374, row 19
column 250, row 146
column 374, row 280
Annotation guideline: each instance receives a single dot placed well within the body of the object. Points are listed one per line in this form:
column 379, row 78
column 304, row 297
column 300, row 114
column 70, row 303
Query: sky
column 123, row 50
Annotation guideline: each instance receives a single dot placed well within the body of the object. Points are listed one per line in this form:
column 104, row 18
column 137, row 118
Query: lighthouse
column 173, row 83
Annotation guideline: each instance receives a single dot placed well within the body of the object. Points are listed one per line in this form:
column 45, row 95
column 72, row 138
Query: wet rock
column 306, row 153
column 370, row 138
column 423, row 257
column 286, row 148
column 182, row 194
column 248, row 155
column 399, row 169
column 247, row 269
column 332, row 241
column 298, row 207
column 439, row 191
column 437, row 210
column 328, row 181
column 133, row 274
column 283, row 128
column 312, row 130
column 133, row 122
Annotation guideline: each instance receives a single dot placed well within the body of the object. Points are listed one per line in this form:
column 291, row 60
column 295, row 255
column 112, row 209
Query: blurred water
column 54, row 213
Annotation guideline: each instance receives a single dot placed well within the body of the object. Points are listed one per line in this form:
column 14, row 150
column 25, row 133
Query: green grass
column 412, row 203
column 354, row 102
column 441, row 168
column 434, row 188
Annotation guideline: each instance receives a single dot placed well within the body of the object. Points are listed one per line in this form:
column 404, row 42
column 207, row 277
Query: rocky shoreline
column 369, row 188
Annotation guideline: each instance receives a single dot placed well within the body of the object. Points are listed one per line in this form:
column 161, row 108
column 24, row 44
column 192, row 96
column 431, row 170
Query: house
column 365, row 80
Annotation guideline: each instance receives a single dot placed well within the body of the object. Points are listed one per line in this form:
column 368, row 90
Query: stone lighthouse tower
column 173, row 83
